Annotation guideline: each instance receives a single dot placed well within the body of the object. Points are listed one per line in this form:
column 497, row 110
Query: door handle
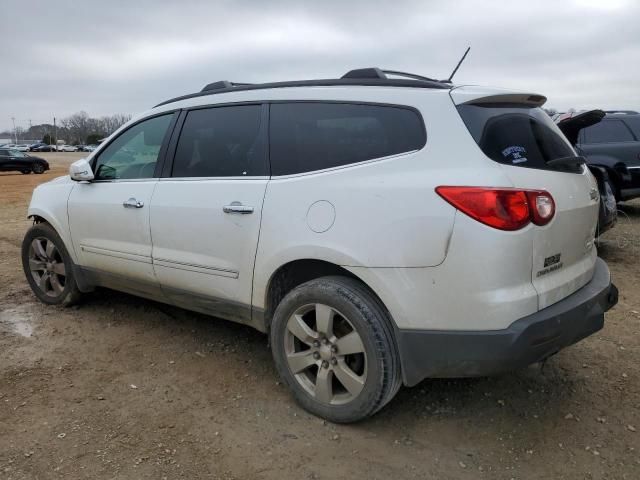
column 132, row 203
column 237, row 207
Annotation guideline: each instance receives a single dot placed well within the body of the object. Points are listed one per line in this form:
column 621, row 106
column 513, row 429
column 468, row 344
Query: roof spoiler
column 471, row 95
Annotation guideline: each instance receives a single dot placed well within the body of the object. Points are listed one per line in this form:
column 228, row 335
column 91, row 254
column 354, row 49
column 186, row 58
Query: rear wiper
column 575, row 162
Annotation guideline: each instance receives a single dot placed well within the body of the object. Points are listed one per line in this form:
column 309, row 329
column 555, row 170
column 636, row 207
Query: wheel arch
column 38, row 215
column 296, row 272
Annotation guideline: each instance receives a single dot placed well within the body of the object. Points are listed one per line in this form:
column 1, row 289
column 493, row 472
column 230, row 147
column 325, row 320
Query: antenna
column 448, row 80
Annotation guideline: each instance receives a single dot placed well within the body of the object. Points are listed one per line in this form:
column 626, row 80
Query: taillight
column 501, row 208
column 542, row 206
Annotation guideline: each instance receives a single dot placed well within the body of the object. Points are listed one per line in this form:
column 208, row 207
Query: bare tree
column 110, row 124
column 79, row 126
column 19, row 133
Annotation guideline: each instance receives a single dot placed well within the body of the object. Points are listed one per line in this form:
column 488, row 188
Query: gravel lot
column 124, row 388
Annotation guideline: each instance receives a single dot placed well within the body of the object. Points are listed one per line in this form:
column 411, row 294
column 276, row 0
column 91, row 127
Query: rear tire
column 333, row 347
column 48, row 266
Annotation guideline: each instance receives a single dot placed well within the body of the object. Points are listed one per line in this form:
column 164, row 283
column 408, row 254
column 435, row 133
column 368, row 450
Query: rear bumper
column 438, row 353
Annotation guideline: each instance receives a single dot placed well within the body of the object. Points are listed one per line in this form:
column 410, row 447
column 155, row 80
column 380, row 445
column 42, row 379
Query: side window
column 134, row 153
column 607, row 131
column 313, row 136
column 633, row 122
column 221, row 142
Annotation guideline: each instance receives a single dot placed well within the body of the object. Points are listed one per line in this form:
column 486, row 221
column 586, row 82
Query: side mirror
column 80, row 171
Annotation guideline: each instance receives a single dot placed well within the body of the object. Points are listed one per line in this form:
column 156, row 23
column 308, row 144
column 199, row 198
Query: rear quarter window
column 633, row 122
column 517, row 135
column 309, row 136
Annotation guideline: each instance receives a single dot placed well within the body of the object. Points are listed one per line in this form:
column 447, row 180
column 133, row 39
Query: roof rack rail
column 222, row 84
column 622, row 112
column 375, row 72
column 374, row 77
column 371, row 72
column 411, row 75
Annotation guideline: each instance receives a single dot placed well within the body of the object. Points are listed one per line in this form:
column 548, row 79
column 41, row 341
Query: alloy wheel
column 325, row 354
column 47, row 266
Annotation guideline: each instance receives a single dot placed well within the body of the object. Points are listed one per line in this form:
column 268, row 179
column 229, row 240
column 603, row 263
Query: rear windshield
column 517, row 135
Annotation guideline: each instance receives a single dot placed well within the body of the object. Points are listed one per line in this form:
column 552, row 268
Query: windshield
column 518, row 135
column 16, row 153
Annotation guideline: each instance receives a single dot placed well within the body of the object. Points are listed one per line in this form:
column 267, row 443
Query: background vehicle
column 13, row 160
column 22, row 148
column 571, row 125
column 89, row 148
column 67, row 148
column 379, row 236
column 614, row 145
column 44, row 148
column 34, row 146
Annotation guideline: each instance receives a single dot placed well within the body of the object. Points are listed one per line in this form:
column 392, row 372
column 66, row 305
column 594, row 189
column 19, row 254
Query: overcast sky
column 110, row 56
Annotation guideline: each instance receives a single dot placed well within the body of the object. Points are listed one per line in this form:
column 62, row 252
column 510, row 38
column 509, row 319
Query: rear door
column 516, row 133
column 205, row 214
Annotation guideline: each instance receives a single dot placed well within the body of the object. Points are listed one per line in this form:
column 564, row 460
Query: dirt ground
column 125, row 388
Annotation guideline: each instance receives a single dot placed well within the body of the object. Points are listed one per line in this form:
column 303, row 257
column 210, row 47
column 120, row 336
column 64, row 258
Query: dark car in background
column 34, row 147
column 614, row 145
column 15, row 161
column 45, row 148
column 573, row 125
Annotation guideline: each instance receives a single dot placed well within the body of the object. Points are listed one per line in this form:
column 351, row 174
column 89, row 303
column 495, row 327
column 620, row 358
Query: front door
column 109, row 217
column 205, row 217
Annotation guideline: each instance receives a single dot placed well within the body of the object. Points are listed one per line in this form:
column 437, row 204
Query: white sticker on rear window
column 515, row 153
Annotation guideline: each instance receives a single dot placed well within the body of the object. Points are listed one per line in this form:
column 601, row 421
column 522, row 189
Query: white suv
column 380, row 230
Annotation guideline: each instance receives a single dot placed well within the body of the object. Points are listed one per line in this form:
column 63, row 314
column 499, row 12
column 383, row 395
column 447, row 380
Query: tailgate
column 512, row 130
column 564, row 253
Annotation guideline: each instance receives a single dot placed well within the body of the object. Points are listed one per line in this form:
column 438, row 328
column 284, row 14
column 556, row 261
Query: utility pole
column 55, row 133
column 15, row 132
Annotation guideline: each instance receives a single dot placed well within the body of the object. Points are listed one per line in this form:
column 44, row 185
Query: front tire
column 38, row 168
column 48, row 266
column 333, row 347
